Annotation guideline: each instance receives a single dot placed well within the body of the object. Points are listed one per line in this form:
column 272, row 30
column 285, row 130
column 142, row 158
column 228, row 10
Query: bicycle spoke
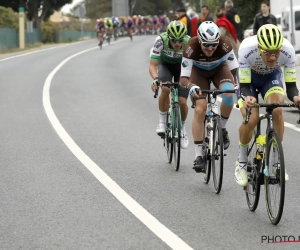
column 252, row 190
column 217, row 155
column 274, row 178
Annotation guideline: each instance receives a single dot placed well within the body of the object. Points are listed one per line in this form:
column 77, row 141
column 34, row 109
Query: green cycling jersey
column 162, row 50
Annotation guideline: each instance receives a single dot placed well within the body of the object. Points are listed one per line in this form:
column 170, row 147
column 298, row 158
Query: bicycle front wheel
column 217, row 156
column 176, row 135
column 274, row 178
column 207, row 156
column 252, row 190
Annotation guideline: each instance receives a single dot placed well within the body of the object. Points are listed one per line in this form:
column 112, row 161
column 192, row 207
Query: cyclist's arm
column 155, row 56
column 244, row 73
column 186, row 66
column 290, row 82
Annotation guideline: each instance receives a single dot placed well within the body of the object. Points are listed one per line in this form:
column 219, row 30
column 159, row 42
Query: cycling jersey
column 253, row 68
column 201, row 69
column 250, row 60
column 109, row 23
column 100, row 26
column 163, row 51
column 194, row 56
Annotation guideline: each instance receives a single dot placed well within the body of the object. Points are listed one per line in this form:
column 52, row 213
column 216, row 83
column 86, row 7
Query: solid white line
column 166, row 235
column 39, row 50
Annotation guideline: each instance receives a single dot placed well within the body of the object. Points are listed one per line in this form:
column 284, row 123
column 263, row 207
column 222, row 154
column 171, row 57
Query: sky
column 68, row 7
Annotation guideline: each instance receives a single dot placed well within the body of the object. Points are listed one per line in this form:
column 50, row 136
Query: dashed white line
column 161, row 231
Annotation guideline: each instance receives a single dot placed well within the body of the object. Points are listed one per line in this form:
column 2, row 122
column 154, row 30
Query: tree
column 98, row 8
column 37, row 10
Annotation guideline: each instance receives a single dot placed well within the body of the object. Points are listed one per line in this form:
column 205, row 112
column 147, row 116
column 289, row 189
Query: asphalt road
column 54, row 194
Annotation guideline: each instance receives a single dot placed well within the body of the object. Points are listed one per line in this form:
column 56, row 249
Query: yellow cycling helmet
column 269, row 37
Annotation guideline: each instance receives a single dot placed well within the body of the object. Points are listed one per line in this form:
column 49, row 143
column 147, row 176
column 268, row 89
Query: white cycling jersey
column 250, row 60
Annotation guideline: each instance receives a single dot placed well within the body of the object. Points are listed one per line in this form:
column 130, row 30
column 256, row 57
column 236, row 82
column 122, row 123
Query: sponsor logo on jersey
column 225, row 47
column 155, row 52
column 231, row 57
column 172, row 54
column 189, row 51
column 158, row 43
column 185, row 64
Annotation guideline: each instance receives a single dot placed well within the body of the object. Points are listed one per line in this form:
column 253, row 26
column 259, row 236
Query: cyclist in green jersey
column 165, row 64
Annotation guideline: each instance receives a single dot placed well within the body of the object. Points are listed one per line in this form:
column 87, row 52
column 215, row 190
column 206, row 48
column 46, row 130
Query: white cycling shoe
column 241, row 175
column 286, row 176
column 184, row 140
column 161, row 129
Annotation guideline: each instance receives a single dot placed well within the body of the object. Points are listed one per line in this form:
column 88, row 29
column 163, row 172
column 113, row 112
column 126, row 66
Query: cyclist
column 166, row 55
column 208, row 57
column 116, row 24
column 100, row 27
column 129, row 25
column 109, row 26
column 260, row 59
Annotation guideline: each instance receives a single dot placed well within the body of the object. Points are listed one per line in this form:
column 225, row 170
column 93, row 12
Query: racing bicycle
column 266, row 165
column 172, row 135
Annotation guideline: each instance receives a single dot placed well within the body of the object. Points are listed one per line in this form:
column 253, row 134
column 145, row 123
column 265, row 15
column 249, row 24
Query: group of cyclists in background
column 112, row 27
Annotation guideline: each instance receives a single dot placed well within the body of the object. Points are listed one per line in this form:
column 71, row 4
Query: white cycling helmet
column 208, row 32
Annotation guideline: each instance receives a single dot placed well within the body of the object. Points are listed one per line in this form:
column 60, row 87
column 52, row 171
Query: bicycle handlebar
column 166, row 84
column 213, row 92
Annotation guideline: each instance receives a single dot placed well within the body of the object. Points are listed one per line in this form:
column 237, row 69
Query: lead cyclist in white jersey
column 260, row 60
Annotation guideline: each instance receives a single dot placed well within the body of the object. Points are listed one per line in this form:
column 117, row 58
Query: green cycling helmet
column 176, row 30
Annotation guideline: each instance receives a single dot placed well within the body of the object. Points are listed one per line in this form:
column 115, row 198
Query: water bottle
column 260, row 142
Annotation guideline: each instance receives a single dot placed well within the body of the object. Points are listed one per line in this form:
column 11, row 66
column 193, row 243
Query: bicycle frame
column 174, row 100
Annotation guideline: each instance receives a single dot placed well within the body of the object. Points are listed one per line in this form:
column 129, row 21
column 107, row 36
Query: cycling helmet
column 208, row 32
column 176, row 29
column 269, row 37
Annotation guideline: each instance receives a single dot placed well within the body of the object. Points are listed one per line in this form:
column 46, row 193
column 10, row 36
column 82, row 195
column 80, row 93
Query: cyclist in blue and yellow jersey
column 165, row 64
column 261, row 58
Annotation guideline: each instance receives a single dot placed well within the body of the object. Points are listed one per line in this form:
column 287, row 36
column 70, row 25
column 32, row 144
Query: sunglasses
column 176, row 40
column 207, row 45
column 271, row 53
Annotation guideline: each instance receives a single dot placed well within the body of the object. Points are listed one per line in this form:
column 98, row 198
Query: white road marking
column 166, row 235
column 40, row 50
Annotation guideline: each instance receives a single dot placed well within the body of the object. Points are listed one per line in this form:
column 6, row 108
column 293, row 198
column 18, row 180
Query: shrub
column 48, row 30
column 8, row 18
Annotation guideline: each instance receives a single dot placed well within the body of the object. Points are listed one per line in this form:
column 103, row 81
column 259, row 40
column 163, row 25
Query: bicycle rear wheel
column 217, row 156
column 168, row 137
column 252, row 190
column 207, row 157
column 274, row 178
column 176, row 135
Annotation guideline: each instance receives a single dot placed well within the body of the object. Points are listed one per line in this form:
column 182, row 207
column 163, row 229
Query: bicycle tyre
column 252, row 190
column 279, row 175
column 206, row 175
column 176, row 136
column 168, row 137
column 217, row 154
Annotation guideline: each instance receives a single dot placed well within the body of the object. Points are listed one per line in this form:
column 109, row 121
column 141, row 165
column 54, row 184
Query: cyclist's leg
column 199, row 77
column 223, row 80
column 245, row 135
column 273, row 92
column 164, row 100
